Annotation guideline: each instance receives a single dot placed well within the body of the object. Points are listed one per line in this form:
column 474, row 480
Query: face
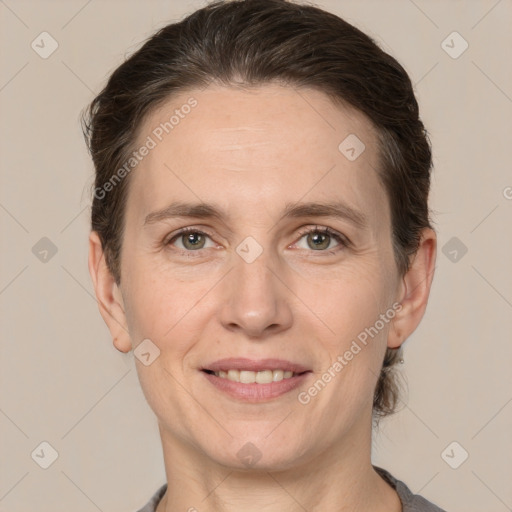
column 263, row 281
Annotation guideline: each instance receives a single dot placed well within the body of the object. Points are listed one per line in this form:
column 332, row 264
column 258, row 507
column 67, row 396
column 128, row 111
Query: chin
column 256, row 455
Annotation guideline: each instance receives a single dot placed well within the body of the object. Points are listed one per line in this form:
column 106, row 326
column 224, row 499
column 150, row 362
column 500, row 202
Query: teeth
column 277, row 375
column 249, row 377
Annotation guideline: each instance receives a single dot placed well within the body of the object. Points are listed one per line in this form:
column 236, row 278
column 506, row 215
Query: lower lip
column 256, row 392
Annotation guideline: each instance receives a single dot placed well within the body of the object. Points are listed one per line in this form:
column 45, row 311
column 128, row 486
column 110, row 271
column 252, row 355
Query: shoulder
column 410, row 502
column 151, row 505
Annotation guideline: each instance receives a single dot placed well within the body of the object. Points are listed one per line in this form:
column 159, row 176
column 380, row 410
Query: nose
column 256, row 298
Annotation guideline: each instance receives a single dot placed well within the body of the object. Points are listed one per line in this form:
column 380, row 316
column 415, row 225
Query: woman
column 261, row 240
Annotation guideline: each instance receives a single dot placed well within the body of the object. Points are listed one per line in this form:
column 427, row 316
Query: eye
column 191, row 239
column 320, row 239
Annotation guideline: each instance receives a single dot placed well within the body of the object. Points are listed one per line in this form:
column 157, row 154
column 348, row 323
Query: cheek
column 162, row 312
column 355, row 298
column 166, row 310
column 349, row 373
column 358, row 311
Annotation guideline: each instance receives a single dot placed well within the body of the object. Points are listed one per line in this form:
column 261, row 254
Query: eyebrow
column 338, row 210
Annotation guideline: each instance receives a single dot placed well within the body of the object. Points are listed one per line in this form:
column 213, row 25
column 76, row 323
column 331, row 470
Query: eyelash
column 341, row 239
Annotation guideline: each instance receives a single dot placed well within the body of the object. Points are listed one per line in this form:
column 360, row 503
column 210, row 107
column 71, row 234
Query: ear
column 414, row 290
column 108, row 295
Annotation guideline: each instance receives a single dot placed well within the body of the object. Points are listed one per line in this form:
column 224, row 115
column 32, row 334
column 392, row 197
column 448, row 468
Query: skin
column 250, row 152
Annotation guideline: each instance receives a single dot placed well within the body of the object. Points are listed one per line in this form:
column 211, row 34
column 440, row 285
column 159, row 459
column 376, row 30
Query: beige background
column 63, row 382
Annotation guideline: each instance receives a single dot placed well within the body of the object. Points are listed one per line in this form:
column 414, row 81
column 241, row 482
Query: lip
column 254, row 365
column 255, row 392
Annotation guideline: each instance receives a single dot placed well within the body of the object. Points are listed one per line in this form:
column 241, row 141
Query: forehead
column 255, row 150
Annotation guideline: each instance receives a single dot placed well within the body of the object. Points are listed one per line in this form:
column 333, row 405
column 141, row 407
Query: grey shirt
column 410, row 502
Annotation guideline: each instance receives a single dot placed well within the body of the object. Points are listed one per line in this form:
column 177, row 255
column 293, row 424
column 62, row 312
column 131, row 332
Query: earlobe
column 414, row 290
column 108, row 295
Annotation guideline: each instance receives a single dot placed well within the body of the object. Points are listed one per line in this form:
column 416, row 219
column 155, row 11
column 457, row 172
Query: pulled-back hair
column 247, row 43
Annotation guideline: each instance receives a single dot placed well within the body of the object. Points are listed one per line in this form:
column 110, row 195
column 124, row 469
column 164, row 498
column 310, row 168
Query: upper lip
column 255, row 365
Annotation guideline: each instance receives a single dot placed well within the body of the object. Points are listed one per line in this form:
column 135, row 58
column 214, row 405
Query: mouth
column 251, row 377
column 255, row 381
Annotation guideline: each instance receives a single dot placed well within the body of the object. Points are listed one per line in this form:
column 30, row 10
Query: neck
column 342, row 479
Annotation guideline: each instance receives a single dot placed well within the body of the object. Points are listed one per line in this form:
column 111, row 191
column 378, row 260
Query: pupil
column 318, row 238
column 193, row 238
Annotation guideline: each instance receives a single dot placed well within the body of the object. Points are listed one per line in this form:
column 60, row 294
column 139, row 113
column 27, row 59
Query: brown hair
column 245, row 43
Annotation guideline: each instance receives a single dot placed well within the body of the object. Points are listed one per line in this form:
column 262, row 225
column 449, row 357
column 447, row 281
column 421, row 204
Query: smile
column 255, row 386
column 250, row 377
